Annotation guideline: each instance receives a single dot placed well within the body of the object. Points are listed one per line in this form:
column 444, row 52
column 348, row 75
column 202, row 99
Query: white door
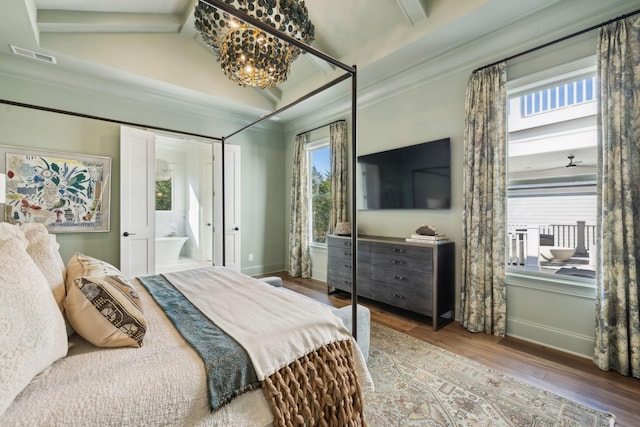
column 232, row 206
column 137, row 202
column 207, row 211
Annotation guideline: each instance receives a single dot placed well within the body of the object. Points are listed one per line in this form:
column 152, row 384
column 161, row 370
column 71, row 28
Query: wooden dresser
column 419, row 277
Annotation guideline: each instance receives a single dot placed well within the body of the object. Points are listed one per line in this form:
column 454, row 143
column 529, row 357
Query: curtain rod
column 561, row 39
column 103, row 119
column 320, row 127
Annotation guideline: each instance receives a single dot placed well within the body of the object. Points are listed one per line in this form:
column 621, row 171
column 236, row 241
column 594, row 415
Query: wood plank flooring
column 567, row 375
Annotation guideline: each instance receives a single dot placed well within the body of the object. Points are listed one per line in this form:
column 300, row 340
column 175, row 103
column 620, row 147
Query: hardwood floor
column 564, row 374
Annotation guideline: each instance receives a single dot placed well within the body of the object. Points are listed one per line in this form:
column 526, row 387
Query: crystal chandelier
column 248, row 55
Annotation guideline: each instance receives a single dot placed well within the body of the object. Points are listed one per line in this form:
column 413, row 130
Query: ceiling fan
column 571, row 164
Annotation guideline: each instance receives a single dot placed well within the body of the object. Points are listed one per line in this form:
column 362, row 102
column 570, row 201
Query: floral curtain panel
column 299, row 257
column 483, row 295
column 617, row 341
column 339, row 173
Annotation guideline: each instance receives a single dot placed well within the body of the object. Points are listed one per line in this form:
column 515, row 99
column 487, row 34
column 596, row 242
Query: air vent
column 33, row 55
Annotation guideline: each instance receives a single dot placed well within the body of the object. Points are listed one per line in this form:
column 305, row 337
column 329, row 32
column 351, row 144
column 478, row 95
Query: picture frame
column 66, row 192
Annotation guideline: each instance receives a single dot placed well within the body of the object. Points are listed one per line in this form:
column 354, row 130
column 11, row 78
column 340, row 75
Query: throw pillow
column 101, row 305
column 33, row 331
column 43, row 249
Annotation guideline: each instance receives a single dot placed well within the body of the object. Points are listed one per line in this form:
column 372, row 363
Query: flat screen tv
column 413, row 177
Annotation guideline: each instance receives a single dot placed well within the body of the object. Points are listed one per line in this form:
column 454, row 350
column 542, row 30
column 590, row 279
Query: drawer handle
column 399, row 251
column 347, row 282
column 347, row 244
column 347, row 253
column 347, row 266
column 398, row 278
column 397, row 296
column 395, row 261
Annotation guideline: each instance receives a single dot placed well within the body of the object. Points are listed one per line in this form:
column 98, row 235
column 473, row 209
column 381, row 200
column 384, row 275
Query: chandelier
column 248, row 55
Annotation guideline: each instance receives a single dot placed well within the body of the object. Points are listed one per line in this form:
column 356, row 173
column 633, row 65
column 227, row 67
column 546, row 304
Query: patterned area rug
column 418, row 384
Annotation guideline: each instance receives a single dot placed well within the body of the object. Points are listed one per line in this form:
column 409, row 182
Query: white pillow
column 33, row 330
column 43, row 249
column 13, row 232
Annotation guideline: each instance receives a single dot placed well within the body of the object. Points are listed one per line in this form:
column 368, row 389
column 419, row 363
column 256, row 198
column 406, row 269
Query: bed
column 146, row 373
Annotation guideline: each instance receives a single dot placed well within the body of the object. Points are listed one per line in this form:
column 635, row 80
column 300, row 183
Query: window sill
column 318, row 246
column 575, row 286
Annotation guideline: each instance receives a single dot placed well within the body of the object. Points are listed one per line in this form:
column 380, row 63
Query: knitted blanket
column 301, row 352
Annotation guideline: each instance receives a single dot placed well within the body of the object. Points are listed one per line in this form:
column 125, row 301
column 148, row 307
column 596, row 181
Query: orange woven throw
column 319, row 389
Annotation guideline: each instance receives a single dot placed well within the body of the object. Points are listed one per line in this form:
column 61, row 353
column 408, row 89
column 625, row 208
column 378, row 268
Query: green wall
column 262, row 174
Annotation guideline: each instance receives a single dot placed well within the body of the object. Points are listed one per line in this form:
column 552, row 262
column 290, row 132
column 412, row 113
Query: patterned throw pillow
column 101, row 305
column 32, row 333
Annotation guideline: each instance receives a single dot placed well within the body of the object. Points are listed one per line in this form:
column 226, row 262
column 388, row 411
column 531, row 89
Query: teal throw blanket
column 229, row 369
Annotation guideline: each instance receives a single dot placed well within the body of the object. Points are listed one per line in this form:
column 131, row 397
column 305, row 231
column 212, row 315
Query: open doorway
column 170, row 209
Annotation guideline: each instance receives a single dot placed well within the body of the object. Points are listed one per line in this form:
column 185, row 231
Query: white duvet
column 162, row 383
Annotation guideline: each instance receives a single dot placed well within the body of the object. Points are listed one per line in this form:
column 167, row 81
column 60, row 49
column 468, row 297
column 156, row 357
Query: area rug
column 418, row 384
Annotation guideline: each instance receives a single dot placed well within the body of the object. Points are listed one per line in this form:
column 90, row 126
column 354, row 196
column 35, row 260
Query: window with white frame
column 552, row 172
column 319, row 184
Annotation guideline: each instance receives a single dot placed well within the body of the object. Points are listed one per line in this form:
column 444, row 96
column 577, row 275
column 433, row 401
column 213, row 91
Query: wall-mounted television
column 413, row 177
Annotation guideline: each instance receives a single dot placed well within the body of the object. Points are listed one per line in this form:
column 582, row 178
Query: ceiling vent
column 33, row 55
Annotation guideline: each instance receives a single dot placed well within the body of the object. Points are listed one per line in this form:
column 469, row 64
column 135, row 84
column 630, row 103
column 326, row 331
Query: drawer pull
column 398, row 278
column 347, row 244
column 347, row 253
column 347, row 266
column 395, row 261
column 397, row 296
column 398, row 251
column 347, row 282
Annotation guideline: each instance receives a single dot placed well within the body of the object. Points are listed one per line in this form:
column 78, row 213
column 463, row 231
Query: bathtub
column 168, row 249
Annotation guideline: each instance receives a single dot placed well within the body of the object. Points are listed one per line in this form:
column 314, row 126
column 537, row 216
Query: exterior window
column 164, row 190
column 319, row 175
column 551, row 205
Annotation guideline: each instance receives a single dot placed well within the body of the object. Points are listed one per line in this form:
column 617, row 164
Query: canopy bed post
column 351, row 72
column 223, row 216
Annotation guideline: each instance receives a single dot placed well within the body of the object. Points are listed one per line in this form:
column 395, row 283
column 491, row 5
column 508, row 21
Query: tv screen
column 413, row 177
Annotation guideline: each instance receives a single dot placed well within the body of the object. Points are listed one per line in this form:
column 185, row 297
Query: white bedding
column 161, row 383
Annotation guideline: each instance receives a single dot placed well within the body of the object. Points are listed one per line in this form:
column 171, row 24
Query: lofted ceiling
column 153, row 44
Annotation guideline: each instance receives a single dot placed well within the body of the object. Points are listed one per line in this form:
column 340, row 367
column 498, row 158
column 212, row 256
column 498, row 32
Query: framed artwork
column 65, row 192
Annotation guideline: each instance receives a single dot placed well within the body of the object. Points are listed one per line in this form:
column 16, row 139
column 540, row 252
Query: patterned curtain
column 339, row 173
column 483, row 294
column 617, row 340
column 299, row 258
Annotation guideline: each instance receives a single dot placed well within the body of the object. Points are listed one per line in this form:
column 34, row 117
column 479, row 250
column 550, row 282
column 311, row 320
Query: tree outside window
column 320, row 189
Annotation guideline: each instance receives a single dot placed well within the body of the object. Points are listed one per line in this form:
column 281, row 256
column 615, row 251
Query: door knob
column 127, row 234
column 236, row 228
column 208, row 224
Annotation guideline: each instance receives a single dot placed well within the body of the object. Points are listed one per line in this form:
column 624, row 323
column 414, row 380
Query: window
column 164, row 190
column 551, row 193
column 319, row 155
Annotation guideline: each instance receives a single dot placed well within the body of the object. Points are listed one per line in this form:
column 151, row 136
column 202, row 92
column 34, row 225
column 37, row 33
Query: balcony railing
column 527, row 244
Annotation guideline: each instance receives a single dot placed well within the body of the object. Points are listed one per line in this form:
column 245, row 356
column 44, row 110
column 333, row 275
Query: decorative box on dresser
column 419, row 277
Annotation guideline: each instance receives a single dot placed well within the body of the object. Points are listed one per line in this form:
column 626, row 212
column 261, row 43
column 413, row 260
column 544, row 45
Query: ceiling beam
column 415, row 11
column 57, row 21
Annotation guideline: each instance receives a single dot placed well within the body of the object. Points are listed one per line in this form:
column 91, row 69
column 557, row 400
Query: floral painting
column 64, row 192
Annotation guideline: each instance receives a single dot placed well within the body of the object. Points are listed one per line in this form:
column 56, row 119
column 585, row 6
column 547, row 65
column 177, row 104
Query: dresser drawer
column 342, row 265
column 403, row 297
column 406, row 250
column 402, row 277
column 424, row 265
column 345, row 242
column 345, row 284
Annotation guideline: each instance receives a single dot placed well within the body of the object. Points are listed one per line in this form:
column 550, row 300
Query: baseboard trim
column 262, row 269
column 558, row 339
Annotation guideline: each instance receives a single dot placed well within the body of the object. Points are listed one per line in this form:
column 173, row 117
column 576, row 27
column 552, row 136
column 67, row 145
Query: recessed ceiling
column 153, row 43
